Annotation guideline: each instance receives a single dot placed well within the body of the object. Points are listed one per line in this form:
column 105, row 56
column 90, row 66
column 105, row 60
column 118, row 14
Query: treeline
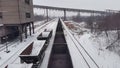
column 104, row 23
column 110, row 22
column 77, row 18
column 101, row 23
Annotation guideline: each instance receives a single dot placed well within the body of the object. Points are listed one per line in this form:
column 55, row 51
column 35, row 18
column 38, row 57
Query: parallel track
column 14, row 55
column 12, row 43
column 76, row 42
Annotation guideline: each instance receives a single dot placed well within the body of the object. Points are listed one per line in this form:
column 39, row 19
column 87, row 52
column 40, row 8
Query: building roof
column 1, row 24
column 45, row 34
column 20, row 66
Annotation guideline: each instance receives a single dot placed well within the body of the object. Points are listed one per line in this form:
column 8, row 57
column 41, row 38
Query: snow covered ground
column 104, row 58
column 93, row 43
column 18, row 47
column 96, row 45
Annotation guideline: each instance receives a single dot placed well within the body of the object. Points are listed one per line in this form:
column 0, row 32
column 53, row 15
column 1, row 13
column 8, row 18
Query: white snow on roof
column 1, row 24
column 48, row 30
column 37, row 46
column 20, row 66
column 45, row 34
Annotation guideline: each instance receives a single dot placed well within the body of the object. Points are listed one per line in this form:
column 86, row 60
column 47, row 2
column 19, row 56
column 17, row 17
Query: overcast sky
column 82, row 4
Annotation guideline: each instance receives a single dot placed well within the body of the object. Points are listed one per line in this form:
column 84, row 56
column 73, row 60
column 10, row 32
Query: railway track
column 82, row 51
column 16, row 54
column 86, row 53
column 37, row 31
column 3, row 47
column 60, row 55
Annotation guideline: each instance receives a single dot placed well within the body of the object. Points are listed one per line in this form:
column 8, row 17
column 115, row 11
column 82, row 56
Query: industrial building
column 16, row 16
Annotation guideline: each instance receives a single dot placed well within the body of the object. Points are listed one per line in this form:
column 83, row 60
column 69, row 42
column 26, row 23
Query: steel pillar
column 64, row 15
column 79, row 14
column 25, row 30
column 33, row 27
column 47, row 14
column 30, row 29
column 20, row 32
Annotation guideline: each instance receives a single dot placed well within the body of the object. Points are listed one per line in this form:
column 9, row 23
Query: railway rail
column 83, row 52
column 3, row 47
column 86, row 53
column 16, row 54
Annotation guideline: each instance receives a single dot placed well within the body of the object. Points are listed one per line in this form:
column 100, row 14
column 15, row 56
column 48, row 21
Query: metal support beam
column 70, row 9
column 93, row 16
column 47, row 14
column 92, row 20
column 20, row 32
column 22, row 28
column 79, row 14
column 25, row 30
column 64, row 15
column 33, row 27
column 30, row 29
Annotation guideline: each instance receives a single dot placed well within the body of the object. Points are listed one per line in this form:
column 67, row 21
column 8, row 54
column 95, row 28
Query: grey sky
column 82, row 4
